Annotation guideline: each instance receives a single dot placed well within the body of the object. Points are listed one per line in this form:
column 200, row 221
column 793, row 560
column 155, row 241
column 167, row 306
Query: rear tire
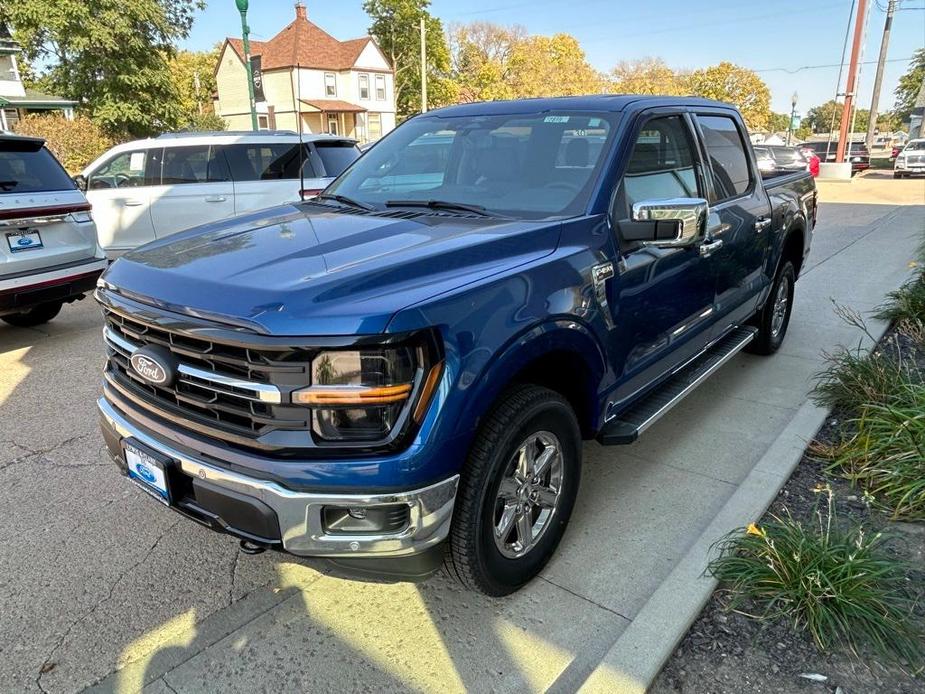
column 774, row 318
column 531, row 429
column 34, row 316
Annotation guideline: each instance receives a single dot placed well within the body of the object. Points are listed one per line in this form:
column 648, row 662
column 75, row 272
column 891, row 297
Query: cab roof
column 592, row 102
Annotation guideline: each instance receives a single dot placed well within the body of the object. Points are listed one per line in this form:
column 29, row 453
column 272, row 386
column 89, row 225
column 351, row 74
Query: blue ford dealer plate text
column 147, row 472
column 24, row 240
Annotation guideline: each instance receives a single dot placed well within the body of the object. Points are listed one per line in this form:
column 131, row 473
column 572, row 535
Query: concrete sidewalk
column 106, row 588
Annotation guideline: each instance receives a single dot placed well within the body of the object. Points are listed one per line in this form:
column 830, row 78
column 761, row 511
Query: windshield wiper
column 443, row 205
column 344, row 200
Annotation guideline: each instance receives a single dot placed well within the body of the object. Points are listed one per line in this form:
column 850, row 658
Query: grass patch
column 832, row 581
column 854, row 379
column 886, row 454
column 906, row 307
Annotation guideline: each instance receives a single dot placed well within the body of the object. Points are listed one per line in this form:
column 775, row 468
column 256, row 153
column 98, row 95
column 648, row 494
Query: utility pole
column 878, row 78
column 423, row 67
column 851, row 84
column 793, row 115
column 245, row 32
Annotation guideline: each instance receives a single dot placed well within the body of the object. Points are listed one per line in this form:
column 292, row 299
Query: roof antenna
column 298, row 115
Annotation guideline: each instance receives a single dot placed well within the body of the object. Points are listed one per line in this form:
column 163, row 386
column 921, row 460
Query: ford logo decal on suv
column 154, row 365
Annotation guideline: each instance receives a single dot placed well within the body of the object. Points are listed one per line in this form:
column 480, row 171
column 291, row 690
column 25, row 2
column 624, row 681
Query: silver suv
column 48, row 250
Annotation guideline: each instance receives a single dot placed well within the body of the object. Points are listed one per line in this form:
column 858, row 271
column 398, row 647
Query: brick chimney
column 300, row 11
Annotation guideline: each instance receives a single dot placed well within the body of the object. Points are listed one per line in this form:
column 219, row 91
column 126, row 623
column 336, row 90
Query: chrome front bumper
column 300, row 514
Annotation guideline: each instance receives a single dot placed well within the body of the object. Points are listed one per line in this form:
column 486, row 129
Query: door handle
column 215, row 198
column 762, row 223
column 708, row 248
column 132, row 202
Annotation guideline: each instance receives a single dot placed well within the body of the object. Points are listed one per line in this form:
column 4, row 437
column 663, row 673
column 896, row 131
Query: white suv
column 911, row 160
column 48, row 250
column 149, row 189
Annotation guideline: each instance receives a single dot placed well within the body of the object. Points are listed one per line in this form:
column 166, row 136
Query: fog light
column 365, row 520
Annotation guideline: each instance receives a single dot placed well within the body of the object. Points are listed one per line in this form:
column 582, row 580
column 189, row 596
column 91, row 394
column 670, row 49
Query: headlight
column 361, row 394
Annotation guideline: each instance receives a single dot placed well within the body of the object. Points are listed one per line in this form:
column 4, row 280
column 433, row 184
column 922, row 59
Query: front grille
column 915, row 158
column 232, row 392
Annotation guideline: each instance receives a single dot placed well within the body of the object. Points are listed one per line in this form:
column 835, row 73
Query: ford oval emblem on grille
column 155, row 365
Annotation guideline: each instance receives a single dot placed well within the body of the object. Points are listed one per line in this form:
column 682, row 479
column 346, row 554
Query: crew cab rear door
column 740, row 216
column 662, row 298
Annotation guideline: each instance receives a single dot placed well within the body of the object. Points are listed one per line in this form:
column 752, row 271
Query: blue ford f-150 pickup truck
column 401, row 372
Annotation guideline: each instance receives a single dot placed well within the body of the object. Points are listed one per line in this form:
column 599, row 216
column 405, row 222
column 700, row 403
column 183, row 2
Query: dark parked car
column 780, row 159
column 403, row 369
column 857, row 153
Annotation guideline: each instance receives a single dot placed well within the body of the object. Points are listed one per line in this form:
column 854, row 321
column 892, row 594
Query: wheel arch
column 563, row 355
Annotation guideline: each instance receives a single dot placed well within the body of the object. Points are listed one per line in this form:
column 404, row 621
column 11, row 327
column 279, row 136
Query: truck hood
column 303, row 271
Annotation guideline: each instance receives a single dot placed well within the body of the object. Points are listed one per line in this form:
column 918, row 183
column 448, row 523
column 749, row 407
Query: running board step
column 630, row 423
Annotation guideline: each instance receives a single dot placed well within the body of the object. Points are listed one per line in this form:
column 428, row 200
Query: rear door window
column 26, row 168
column 264, row 162
column 185, row 165
column 728, row 158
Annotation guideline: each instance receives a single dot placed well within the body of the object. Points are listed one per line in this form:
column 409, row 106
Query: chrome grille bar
column 220, row 383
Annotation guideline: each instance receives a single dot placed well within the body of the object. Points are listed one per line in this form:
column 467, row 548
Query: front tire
column 36, row 315
column 516, row 492
column 774, row 318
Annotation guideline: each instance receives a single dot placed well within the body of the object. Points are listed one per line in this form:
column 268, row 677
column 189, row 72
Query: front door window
column 332, row 123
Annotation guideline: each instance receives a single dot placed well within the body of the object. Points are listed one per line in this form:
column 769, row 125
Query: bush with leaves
column 74, row 142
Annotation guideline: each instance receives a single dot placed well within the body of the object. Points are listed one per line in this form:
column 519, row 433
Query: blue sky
column 774, row 37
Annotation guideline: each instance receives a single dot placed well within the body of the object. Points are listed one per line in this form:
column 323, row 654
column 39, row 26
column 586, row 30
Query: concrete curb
column 637, row 657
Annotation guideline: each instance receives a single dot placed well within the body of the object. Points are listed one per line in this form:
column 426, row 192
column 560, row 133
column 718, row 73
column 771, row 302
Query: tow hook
column 250, row 548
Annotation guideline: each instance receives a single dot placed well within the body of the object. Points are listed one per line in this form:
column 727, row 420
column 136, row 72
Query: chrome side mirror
column 687, row 215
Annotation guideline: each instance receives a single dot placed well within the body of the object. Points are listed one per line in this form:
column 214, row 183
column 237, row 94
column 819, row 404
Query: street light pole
column 793, row 114
column 245, row 32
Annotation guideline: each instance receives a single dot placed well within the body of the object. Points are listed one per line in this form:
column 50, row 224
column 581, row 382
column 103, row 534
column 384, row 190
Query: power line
column 795, row 70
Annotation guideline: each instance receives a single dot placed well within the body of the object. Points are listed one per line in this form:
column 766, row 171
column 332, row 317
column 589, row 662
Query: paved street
column 102, row 586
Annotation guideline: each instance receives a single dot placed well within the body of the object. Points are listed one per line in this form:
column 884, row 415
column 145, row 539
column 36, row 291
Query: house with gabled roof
column 16, row 101
column 306, row 80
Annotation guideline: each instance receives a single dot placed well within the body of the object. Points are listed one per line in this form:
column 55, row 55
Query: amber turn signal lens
column 430, row 385
column 351, row 395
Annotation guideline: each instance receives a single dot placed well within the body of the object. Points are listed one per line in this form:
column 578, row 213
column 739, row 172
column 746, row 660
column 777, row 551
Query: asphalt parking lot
column 102, row 586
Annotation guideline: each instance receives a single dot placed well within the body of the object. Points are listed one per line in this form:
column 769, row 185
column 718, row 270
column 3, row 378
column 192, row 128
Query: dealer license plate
column 24, row 240
column 147, row 471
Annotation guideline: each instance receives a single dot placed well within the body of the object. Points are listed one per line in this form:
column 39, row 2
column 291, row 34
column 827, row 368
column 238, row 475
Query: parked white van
column 149, row 189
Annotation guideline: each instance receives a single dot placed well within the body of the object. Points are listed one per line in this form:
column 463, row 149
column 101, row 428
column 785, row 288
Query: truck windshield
column 528, row 166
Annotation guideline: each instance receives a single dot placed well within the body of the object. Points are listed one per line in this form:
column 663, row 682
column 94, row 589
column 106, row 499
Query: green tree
column 111, row 55
column 646, row 76
column 736, row 85
column 193, row 77
column 480, row 59
column 820, row 118
column 396, row 28
column 910, row 84
column 778, row 122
